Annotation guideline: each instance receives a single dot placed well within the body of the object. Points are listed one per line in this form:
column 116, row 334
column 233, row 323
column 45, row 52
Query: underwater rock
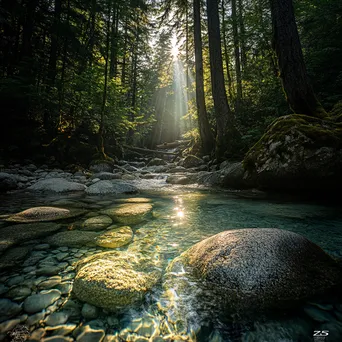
column 259, row 268
column 15, row 234
column 57, row 185
column 115, row 237
column 178, row 179
column 40, row 301
column 8, row 309
column 7, row 182
column 40, row 214
column 73, row 238
column 114, row 280
column 130, row 213
column 97, row 223
column 157, row 162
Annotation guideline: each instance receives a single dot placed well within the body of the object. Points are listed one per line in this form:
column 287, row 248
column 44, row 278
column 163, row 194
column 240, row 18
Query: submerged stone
column 57, row 185
column 40, row 301
column 115, row 280
column 40, row 214
column 103, row 187
column 130, row 213
column 73, row 238
column 115, row 237
column 97, row 223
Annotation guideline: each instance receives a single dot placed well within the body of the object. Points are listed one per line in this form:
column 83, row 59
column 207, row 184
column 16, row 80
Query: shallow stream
column 181, row 217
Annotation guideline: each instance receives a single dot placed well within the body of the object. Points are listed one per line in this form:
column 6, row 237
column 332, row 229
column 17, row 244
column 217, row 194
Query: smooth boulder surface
column 115, row 237
column 129, row 213
column 114, row 280
column 57, row 185
column 297, row 153
column 73, row 238
column 40, row 214
column 15, row 234
column 260, row 267
column 103, row 187
column 97, row 223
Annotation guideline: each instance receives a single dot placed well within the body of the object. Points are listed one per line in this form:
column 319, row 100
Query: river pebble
column 57, row 318
column 38, row 302
column 8, row 309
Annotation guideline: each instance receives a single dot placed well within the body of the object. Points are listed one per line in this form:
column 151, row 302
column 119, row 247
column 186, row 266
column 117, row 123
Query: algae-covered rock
column 41, row 214
column 114, row 280
column 259, row 268
column 129, row 213
column 97, row 223
column 73, row 238
column 115, row 237
column 298, row 152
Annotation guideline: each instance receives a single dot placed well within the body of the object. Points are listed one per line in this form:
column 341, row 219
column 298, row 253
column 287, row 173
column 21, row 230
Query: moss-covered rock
column 297, row 152
column 114, row 280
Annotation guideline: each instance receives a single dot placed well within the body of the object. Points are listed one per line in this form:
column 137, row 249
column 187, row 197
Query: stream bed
column 182, row 216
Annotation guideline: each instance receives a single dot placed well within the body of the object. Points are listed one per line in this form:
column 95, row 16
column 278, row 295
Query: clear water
column 181, row 217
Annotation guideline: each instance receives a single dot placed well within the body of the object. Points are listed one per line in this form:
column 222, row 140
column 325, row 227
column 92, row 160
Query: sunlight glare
column 174, row 50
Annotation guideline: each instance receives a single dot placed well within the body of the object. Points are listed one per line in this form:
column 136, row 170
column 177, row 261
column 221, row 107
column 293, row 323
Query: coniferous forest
column 80, row 79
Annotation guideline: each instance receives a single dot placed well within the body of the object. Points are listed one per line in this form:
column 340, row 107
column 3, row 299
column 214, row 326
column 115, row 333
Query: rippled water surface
column 181, row 217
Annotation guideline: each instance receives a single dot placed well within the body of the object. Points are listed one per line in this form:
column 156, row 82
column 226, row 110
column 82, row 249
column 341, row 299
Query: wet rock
column 57, row 185
column 23, row 232
column 157, row 162
column 52, row 282
column 61, row 256
column 7, row 182
column 57, row 318
column 14, row 280
column 129, row 213
column 62, row 330
column 49, row 269
column 39, row 214
column 106, row 176
column 14, row 256
column 114, row 280
column 178, row 179
column 318, row 315
column 111, row 187
column 234, row 176
column 18, row 293
column 97, row 223
column 89, row 311
column 38, row 302
column 3, row 289
column 101, row 166
column 115, row 237
column 191, row 161
column 72, row 238
column 42, row 247
column 258, row 268
column 64, row 288
column 8, row 309
column 35, row 319
column 73, row 309
column 57, row 339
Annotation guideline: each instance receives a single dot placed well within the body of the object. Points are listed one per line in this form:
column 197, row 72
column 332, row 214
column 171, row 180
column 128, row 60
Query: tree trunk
column 224, row 119
column 104, row 98
column 54, row 43
column 226, row 53
column 207, row 139
column 242, row 36
column 292, row 70
column 237, row 58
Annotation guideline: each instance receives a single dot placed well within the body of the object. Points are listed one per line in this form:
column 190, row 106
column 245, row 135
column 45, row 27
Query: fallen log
column 146, row 150
column 173, row 144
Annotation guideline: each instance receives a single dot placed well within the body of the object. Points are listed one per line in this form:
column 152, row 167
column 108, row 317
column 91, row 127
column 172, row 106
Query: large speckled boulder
column 114, row 280
column 103, row 187
column 129, row 213
column 73, row 238
column 191, row 161
column 298, row 152
column 115, row 237
column 258, row 268
column 57, row 185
